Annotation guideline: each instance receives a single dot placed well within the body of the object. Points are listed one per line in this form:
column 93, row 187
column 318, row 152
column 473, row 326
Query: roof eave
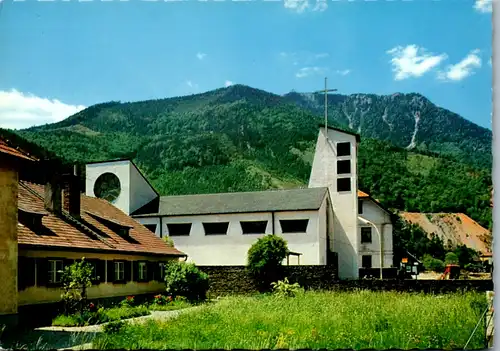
column 358, row 137
column 97, row 250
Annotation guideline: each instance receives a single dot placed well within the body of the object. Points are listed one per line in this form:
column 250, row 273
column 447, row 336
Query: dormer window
column 122, row 230
column 31, row 219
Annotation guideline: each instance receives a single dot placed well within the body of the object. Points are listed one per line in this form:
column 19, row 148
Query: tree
column 465, row 255
column 76, row 279
column 451, row 258
column 433, row 264
column 265, row 258
column 185, row 279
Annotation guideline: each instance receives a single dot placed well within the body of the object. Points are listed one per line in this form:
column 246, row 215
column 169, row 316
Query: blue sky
column 60, row 56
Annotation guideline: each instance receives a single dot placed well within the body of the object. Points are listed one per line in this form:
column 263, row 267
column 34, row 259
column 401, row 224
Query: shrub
column 162, row 300
column 168, row 240
column 185, row 279
column 466, row 255
column 129, row 301
column 474, row 267
column 113, row 327
column 265, row 257
column 99, row 316
column 451, row 258
column 283, row 288
column 167, row 303
column 433, row 264
column 76, row 279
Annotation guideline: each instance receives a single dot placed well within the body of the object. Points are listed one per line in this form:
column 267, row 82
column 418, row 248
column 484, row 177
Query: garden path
column 76, row 338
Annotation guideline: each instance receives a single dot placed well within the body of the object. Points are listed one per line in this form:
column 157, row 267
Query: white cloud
column 484, row 6
column 201, row 56
column 300, row 6
column 309, row 71
column 228, row 83
column 463, row 69
column 19, row 110
column 192, row 84
column 303, row 58
column 321, row 55
column 413, row 61
column 344, row 72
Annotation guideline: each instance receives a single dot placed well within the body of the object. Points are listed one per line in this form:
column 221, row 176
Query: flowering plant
column 129, row 301
column 92, row 307
column 162, row 300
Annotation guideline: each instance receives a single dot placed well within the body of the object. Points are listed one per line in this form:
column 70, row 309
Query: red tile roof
column 88, row 233
column 5, row 148
column 362, row 194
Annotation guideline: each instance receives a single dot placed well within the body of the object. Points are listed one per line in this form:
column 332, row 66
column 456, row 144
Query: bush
column 162, row 300
column 475, row 267
column 167, row 303
column 113, row 327
column 129, row 301
column 168, row 240
column 283, row 288
column 76, row 279
column 433, row 264
column 265, row 257
column 99, row 316
column 185, row 279
column 451, row 258
column 466, row 255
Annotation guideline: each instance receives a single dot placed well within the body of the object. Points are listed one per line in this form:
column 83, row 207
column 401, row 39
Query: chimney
column 71, row 193
column 53, row 195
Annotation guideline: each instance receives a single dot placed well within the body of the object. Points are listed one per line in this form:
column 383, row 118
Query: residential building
column 330, row 222
column 46, row 223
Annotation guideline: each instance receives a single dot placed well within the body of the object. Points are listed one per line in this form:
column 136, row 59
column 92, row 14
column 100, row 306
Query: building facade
column 46, row 224
column 330, row 218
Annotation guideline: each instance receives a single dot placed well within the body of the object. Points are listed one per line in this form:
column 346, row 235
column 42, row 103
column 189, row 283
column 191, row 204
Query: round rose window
column 107, row 187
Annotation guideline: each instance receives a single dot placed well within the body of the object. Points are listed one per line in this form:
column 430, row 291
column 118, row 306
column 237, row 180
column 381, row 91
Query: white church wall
column 345, row 203
column 232, row 248
column 119, row 168
column 141, row 193
column 322, row 233
column 151, row 220
column 135, row 191
column 382, row 221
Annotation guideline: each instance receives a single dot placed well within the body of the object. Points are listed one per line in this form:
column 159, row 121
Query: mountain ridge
column 245, row 139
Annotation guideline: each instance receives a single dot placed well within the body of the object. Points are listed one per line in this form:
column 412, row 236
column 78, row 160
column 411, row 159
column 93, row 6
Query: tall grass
column 314, row 320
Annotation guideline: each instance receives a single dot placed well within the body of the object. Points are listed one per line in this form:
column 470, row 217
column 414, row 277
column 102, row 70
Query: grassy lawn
column 314, row 320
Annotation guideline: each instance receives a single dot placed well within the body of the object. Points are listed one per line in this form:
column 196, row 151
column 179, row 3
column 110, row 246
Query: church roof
column 244, row 202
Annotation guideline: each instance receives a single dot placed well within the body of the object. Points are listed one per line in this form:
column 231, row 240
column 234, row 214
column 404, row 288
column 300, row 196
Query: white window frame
column 143, row 270
column 119, row 273
column 54, row 278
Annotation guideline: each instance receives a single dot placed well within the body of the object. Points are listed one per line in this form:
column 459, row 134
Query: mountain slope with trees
column 406, row 120
column 244, row 139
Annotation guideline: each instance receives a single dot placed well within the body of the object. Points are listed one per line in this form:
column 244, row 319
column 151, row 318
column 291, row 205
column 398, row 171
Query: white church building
column 331, row 220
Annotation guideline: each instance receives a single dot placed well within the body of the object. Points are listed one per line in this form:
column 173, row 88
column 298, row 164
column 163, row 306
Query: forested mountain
column 241, row 139
column 406, row 120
